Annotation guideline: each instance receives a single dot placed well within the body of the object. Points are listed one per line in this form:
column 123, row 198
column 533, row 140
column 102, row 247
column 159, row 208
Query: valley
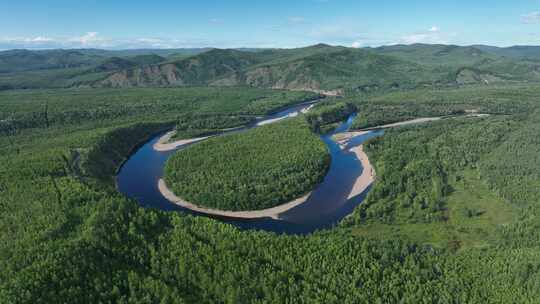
column 417, row 213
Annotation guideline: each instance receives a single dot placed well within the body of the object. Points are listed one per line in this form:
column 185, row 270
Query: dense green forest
column 460, row 181
column 198, row 124
column 316, row 67
column 47, row 109
column 323, row 117
column 254, row 170
column 463, row 228
column 380, row 109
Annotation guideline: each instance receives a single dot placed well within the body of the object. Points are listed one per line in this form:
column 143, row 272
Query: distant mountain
column 317, row 67
column 514, row 52
column 24, row 60
column 324, row 67
column 139, row 52
column 118, row 63
column 437, row 54
column 196, row 70
column 330, row 68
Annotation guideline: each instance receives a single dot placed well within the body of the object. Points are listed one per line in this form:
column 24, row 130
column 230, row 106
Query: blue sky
column 118, row 24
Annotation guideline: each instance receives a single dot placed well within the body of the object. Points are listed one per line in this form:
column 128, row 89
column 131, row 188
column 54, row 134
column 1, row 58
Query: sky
column 121, row 24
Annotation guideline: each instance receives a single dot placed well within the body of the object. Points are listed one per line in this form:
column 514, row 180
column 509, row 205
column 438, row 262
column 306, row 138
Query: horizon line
column 266, row 48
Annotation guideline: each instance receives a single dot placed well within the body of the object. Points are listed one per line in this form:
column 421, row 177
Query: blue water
column 327, row 205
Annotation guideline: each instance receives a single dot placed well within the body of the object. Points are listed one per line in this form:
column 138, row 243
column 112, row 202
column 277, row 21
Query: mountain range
column 317, row 68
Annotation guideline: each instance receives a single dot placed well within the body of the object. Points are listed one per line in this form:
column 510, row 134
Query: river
column 326, row 206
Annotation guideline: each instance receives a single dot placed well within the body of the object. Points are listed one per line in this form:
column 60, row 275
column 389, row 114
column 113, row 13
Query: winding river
column 329, row 202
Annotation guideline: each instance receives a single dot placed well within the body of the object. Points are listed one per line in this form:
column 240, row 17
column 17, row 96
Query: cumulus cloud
column 356, row 44
column 434, row 29
column 41, row 39
column 90, row 38
column 27, row 42
column 530, row 18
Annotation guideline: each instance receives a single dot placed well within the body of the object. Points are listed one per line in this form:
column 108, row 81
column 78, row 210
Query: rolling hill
column 196, row 70
column 437, row 54
column 24, row 60
column 318, row 67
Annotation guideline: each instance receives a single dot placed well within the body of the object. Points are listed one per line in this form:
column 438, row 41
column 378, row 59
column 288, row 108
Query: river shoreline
column 422, row 120
column 273, row 212
column 346, row 184
column 363, row 182
column 162, row 145
column 366, row 179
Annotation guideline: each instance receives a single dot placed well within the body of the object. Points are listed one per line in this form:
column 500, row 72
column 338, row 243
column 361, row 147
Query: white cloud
column 41, row 39
column 152, row 42
column 434, row 29
column 39, row 42
column 530, row 18
column 356, row 44
column 90, row 38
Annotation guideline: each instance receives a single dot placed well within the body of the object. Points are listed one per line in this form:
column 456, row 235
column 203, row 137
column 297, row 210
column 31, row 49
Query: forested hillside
column 455, row 202
column 380, row 109
column 457, row 182
column 318, row 67
column 325, row 115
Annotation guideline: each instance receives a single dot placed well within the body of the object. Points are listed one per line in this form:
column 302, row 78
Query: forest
column 462, row 229
column 315, row 67
column 323, row 117
column 470, row 181
column 56, row 108
column 276, row 164
column 384, row 108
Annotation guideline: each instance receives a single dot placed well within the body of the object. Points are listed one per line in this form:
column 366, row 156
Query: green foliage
column 415, row 165
column 514, row 165
column 37, row 109
column 196, row 125
column 25, row 60
column 473, row 217
column 328, row 113
column 422, row 178
column 318, row 67
column 65, row 241
column 380, row 109
column 438, row 54
column 254, row 170
column 107, row 155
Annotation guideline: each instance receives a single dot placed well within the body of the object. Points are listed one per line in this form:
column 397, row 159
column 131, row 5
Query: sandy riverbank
column 360, row 185
column 343, row 138
column 293, row 114
column 163, row 145
column 424, row 120
column 274, row 212
column 368, row 173
column 405, row 123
